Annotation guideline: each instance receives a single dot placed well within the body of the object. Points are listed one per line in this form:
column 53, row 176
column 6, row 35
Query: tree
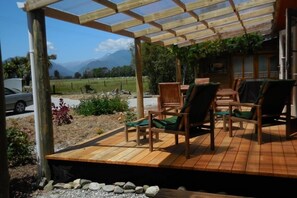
column 57, row 74
column 77, row 75
column 19, row 67
column 158, row 64
column 16, row 67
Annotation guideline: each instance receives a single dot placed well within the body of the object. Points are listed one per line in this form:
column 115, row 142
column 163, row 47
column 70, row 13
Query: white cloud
column 111, row 45
column 50, row 45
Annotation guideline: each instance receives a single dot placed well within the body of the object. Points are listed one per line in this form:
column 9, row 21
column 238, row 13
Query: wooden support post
column 4, row 176
column 178, row 71
column 139, row 84
column 43, row 98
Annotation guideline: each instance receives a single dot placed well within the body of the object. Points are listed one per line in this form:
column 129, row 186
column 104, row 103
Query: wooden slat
column 97, row 14
column 278, row 158
column 221, row 143
column 216, row 13
column 238, row 154
column 201, row 4
column 125, row 5
column 256, row 13
column 253, row 4
column 112, row 8
column 247, row 14
column 35, row 4
column 63, row 16
column 265, row 157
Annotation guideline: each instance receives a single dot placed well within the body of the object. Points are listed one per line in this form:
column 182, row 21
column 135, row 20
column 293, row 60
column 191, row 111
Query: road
column 149, row 102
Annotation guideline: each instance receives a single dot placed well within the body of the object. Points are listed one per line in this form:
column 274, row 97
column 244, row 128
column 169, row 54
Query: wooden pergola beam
column 35, row 4
column 40, row 72
column 139, row 83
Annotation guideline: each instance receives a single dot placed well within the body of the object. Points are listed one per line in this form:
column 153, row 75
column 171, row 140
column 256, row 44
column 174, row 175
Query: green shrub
column 19, row 148
column 130, row 116
column 101, row 106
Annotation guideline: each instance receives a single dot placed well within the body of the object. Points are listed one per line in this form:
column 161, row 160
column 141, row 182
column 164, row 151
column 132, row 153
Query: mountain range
column 118, row 58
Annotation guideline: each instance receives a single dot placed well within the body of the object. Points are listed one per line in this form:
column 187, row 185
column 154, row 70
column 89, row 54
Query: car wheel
column 19, row 107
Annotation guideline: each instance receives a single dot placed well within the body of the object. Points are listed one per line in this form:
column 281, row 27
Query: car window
column 8, row 91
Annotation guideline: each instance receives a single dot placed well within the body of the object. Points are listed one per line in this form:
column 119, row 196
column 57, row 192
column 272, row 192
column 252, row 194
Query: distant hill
column 76, row 65
column 61, row 69
column 118, row 58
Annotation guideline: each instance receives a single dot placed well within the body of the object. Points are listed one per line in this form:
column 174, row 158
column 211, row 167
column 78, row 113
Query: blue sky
column 70, row 42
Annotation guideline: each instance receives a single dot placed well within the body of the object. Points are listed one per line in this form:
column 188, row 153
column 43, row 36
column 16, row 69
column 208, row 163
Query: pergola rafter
column 165, row 22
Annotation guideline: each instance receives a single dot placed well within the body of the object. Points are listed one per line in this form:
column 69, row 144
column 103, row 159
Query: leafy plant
column 101, row 105
column 130, row 116
column 19, row 149
column 61, row 113
column 158, row 65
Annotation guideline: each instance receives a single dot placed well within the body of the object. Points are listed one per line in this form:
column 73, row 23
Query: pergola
column 164, row 22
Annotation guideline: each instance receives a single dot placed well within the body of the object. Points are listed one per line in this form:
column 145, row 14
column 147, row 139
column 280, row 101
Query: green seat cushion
column 222, row 113
column 167, row 123
column 144, row 122
column 243, row 114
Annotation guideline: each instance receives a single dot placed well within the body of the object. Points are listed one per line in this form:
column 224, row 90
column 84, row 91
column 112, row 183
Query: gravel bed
column 76, row 193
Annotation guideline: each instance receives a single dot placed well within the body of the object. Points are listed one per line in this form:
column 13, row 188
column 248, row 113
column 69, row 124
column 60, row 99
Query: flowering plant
column 61, row 113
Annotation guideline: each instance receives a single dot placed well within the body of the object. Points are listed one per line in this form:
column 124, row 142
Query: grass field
column 99, row 85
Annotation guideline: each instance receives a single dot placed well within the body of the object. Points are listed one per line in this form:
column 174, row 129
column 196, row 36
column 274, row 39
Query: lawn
column 71, row 86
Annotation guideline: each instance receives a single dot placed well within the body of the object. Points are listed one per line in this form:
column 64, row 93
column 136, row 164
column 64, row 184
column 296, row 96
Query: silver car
column 16, row 100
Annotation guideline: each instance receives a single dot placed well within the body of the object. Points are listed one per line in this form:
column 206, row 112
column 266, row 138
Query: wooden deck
column 235, row 161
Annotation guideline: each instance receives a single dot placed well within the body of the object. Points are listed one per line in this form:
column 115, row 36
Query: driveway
column 149, row 103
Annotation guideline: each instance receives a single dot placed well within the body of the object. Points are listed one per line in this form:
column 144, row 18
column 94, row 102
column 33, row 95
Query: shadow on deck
column 238, row 166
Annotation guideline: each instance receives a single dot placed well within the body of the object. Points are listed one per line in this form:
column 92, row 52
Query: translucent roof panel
column 188, row 26
column 115, row 19
column 212, row 8
column 152, row 8
column 159, row 20
column 188, row 1
column 173, row 18
column 236, row 2
column 139, row 28
column 118, row 1
column 77, row 7
column 226, row 16
column 258, row 8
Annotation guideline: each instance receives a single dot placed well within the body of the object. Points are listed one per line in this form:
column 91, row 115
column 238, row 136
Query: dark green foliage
column 246, row 44
column 19, row 149
column 101, row 105
column 158, row 64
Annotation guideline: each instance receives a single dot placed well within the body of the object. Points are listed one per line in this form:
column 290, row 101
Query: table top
column 226, row 92
column 184, row 88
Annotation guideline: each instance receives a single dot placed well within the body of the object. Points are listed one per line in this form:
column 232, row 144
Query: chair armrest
column 243, row 104
column 165, row 113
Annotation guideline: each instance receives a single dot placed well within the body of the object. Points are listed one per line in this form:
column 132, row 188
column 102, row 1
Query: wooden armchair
column 274, row 96
column 170, row 96
column 195, row 118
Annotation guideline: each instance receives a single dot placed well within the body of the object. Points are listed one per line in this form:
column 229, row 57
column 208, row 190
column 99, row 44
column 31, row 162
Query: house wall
column 282, row 54
column 294, row 69
column 261, row 65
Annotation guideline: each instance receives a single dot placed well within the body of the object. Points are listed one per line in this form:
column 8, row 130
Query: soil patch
column 23, row 178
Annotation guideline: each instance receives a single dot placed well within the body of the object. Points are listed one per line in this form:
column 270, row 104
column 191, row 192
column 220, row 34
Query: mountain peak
column 110, row 60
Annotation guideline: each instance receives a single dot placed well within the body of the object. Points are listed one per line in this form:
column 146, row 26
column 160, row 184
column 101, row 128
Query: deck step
column 169, row 193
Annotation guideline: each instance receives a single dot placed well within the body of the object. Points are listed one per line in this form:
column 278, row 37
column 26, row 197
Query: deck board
column 238, row 154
